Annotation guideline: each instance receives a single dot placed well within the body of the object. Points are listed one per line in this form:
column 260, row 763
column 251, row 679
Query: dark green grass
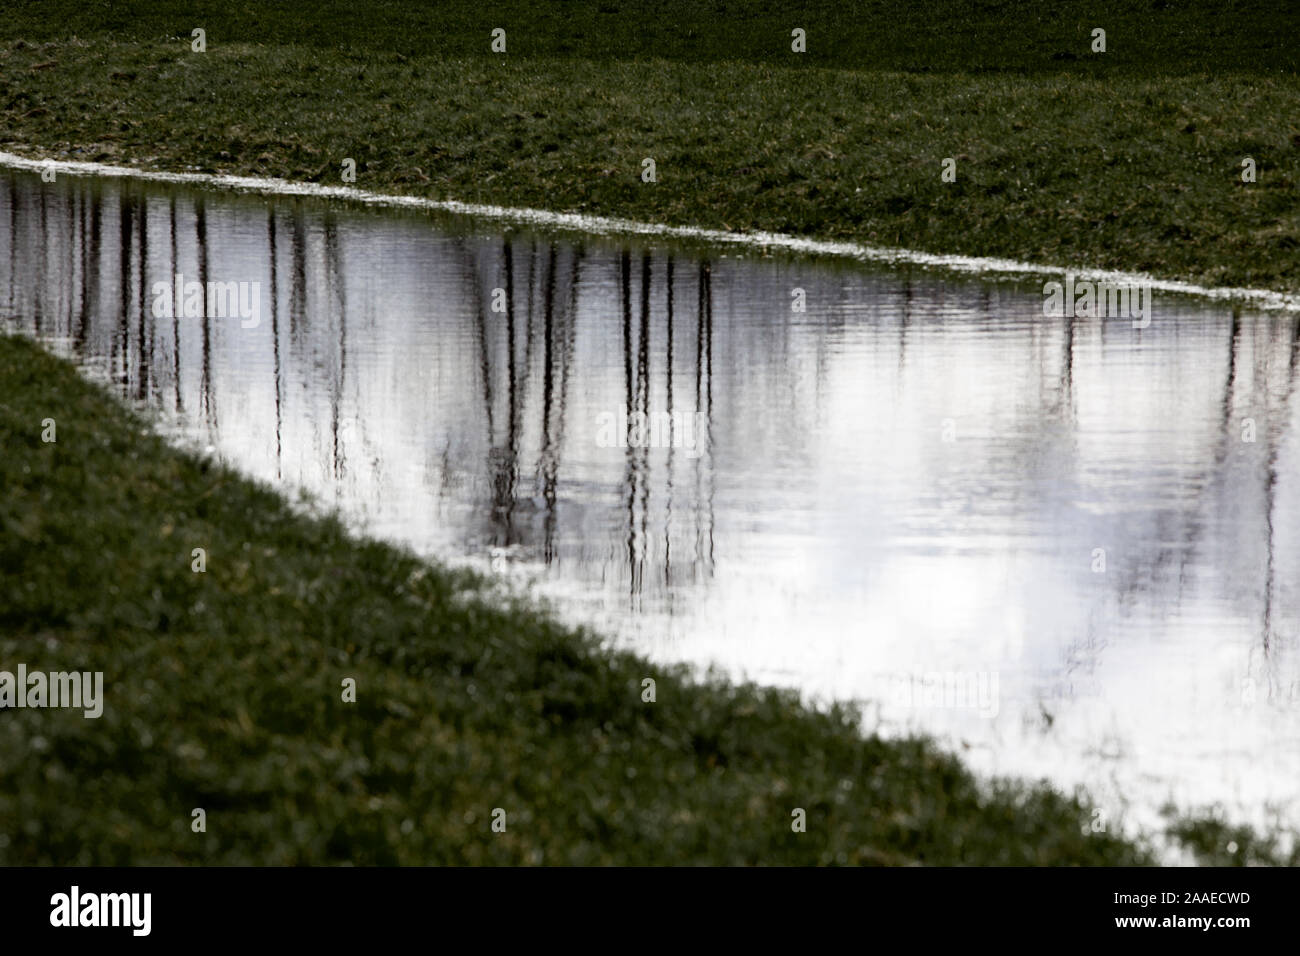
column 222, row 691
column 1130, row 160
column 1143, row 36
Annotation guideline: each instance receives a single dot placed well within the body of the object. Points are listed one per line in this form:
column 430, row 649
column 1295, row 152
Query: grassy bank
column 223, row 692
column 1126, row 160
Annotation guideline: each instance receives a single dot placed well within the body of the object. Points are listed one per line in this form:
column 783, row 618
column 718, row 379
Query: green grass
column 1144, row 36
column 1128, row 160
column 223, row 691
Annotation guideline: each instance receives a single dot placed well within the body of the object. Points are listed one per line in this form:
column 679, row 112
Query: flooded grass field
column 1069, row 548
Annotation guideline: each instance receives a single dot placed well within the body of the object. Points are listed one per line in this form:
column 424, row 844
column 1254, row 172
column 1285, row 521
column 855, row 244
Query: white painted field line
column 1258, row 298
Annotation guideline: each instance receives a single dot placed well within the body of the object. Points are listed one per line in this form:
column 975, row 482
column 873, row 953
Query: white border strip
column 1260, row 298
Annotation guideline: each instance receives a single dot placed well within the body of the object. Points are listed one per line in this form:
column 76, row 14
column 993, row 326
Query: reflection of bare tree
column 176, row 325
column 38, row 300
column 275, row 342
column 1230, row 439
column 335, row 293
column 1271, row 480
column 144, row 332
column 1067, row 366
column 704, row 374
column 503, row 459
column 633, row 477
column 205, row 376
column 643, row 398
column 638, row 390
column 481, row 334
column 906, row 324
column 502, row 467
column 1234, row 350
column 298, row 278
column 548, row 466
column 122, row 342
column 638, row 376
column 559, row 345
column 668, row 400
column 505, row 344
column 73, row 203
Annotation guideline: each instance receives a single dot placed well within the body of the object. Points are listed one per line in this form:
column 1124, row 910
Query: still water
column 1067, row 547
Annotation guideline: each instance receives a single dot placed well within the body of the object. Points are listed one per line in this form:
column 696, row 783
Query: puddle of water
column 1043, row 540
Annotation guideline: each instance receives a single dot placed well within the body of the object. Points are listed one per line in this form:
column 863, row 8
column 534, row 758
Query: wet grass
column 1127, row 160
column 223, row 691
